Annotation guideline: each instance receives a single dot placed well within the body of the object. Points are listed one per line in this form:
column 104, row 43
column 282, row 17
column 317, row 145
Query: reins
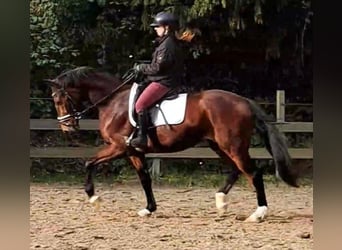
column 127, row 77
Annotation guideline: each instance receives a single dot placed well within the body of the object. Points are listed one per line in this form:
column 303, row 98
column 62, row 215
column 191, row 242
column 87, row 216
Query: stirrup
column 138, row 144
column 141, row 150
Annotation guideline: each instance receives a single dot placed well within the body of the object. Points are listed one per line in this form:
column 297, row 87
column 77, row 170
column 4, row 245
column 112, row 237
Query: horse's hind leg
column 258, row 183
column 247, row 167
column 237, row 151
column 221, row 195
column 139, row 163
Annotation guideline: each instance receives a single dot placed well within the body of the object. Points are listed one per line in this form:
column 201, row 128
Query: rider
column 164, row 73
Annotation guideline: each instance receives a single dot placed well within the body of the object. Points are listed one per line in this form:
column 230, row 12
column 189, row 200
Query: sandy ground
column 186, row 219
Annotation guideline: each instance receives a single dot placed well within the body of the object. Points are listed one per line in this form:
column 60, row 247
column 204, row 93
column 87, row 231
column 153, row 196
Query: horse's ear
column 52, row 82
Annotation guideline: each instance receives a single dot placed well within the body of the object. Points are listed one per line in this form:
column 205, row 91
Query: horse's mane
column 74, row 78
column 71, row 78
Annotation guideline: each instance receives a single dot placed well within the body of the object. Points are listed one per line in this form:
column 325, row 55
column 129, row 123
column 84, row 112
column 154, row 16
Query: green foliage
column 203, row 7
column 103, row 33
column 40, row 108
column 47, row 47
column 50, row 53
column 43, row 25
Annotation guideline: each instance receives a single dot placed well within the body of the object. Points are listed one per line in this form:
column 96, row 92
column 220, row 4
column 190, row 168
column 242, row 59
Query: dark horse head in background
column 225, row 120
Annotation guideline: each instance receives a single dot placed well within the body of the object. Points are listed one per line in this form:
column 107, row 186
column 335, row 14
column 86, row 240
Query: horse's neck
column 99, row 92
column 117, row 104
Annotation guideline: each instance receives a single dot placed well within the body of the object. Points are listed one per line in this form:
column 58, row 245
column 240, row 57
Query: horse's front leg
column 140, row 165
column 89, row 184
column 108, row 152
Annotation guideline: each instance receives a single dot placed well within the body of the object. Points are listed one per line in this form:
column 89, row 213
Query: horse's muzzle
column 68, row 123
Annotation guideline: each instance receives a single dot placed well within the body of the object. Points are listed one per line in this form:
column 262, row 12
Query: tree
column 48, row 51
column 104, row 33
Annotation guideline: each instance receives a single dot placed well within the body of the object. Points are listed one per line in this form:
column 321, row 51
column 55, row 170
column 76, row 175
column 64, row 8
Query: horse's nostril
column 67, row 128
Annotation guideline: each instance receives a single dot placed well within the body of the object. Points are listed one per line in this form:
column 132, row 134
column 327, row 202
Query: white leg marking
column 258, row 215
column 144, row 212
column 220, row 199
column 95, row 200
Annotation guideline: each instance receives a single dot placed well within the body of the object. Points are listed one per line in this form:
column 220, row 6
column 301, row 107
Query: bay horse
column 224, row 119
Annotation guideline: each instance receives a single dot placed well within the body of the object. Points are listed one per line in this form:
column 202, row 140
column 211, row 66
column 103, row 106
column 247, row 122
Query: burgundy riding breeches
column 151, row 94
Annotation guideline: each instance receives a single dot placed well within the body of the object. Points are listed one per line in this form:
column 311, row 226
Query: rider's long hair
column 187, row 34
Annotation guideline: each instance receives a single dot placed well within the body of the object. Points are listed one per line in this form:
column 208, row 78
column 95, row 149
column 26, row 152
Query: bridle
column 74, row 114
column 65, row 118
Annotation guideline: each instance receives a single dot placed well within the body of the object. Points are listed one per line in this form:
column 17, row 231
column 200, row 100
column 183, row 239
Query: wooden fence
column 195, row 152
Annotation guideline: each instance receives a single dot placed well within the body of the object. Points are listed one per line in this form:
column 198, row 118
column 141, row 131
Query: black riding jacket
column 167, row 64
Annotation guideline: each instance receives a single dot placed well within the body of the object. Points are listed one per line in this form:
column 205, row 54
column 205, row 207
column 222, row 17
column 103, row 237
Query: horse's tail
column 275, row 143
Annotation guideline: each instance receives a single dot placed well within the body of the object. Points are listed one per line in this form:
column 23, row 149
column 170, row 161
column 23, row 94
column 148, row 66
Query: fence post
column 155, row 168
column 280, row 106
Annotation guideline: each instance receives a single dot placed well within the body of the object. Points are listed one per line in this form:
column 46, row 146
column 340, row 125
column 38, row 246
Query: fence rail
column 191, row 153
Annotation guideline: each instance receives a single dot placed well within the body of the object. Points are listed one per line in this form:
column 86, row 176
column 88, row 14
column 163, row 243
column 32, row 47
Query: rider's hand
column 137, row 67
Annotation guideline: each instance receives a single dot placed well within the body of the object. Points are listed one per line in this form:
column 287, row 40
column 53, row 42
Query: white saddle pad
column 173, row 111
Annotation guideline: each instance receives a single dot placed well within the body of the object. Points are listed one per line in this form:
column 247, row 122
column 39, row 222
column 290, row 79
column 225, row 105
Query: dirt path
column 185, row 219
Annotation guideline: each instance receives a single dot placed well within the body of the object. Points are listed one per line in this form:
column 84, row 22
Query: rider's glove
column 137, row 67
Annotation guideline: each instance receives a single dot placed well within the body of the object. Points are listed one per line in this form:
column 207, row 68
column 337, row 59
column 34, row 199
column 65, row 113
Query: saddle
column 168, row 111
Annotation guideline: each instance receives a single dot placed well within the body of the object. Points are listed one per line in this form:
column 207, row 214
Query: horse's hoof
column 220, row 199
column 222, row 207
column 94, row 198
column 254, row 219
column 258, row 215
column 222, row 211
column 144, row 212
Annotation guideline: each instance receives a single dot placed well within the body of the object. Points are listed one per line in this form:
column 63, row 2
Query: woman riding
column 164, row 73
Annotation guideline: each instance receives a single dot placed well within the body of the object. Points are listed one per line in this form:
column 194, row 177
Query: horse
column 224, row 119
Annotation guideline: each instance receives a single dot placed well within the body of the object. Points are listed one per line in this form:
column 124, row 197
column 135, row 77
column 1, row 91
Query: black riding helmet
column 165, row 18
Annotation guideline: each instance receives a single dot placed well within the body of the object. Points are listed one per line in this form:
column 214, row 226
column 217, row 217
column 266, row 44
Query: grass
column 57, row 178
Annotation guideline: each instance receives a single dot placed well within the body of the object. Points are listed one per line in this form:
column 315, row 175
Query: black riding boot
column 140, row 141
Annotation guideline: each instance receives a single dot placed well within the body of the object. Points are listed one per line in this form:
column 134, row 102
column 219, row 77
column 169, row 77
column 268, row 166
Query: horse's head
column 82, row 84
column 69, row 93
column 66, row 100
